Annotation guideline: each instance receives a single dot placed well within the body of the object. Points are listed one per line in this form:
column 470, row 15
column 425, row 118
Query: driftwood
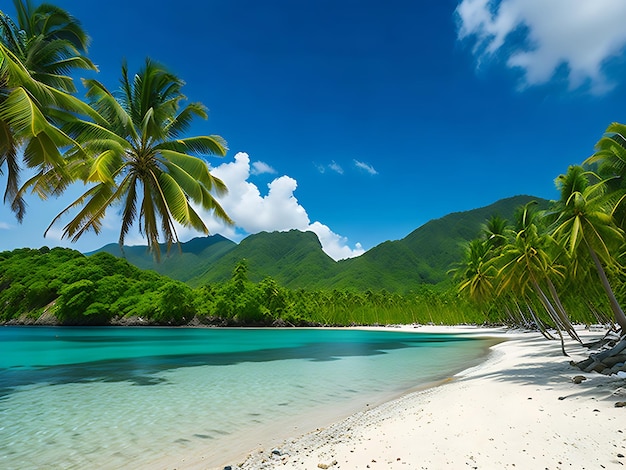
column 610, row 360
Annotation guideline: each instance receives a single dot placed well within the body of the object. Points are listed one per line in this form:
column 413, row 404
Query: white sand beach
column 519, row 409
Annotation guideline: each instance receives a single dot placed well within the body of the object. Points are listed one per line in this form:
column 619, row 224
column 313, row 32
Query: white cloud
column 259, row 168
column 5, row 226
column 582, row 35
column 335, row 245
column 253, row 212
column 366, row 167
column 278, row 210
column 332, row 166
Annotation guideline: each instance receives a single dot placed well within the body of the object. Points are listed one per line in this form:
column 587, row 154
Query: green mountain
column 190, row 261
column 295, row 259
column 426, row 254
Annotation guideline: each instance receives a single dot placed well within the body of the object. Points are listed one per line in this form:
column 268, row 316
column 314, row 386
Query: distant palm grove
column 546, row 268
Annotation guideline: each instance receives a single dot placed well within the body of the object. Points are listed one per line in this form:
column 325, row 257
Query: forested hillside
column 62, row 286
column 296, row 260
column 183, row 263
column 280, row 278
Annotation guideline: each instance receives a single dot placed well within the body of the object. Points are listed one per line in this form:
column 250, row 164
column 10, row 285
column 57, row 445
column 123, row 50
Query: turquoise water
column 138, row 397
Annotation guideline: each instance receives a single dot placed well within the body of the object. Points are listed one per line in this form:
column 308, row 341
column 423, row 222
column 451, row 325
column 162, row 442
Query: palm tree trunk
column 560, row 310
column 520, row 312
column 550, row 309
column 618, row 313
column 546, row 334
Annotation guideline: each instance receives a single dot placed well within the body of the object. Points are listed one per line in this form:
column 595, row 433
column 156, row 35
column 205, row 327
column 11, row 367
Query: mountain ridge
column 296, row 259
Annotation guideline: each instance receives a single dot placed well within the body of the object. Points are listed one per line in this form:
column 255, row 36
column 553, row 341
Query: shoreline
column 517, row 409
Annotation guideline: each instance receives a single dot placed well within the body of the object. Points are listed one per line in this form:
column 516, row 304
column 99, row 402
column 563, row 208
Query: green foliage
column 75, row 299
column 82, row 290
column 103, row 289
column 549, row 269
column 134, row 154
column 174, row 303
column 39, row 52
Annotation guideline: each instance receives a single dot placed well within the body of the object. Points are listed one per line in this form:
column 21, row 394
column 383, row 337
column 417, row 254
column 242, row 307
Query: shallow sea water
column 138, row 397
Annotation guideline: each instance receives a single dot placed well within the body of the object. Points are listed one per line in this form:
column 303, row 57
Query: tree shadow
column 548, row 369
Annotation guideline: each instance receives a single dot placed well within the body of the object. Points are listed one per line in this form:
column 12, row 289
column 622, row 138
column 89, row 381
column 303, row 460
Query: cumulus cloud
column 540, row 37
column 366, row 167
column 277, row 210
column 259, row 168
column 335, row 245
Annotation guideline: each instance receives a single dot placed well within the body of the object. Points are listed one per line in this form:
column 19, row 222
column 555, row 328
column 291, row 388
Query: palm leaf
column 196, row 168
column 129, row 212
column 42, row 152
column 189, row 184
column 210, row 203
column 174, row 198
column 203, row 145
column 105, row 167
column 183, row 120
column 111, row 114
column 94, row 202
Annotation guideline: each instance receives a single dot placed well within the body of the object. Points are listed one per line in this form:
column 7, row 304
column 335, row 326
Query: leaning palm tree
column 27, row 108
column 37, row 55
column 139, row 160
column 586, row 229
column 527, row 264
column 610, row 160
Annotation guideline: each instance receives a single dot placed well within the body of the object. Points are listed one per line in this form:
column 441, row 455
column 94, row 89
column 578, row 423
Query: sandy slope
column 519, row 409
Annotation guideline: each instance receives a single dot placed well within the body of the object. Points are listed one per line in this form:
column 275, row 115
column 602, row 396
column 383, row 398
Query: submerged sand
column 519, row 409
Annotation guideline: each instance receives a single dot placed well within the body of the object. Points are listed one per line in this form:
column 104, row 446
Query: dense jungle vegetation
column 62, row 286
column 548, row 268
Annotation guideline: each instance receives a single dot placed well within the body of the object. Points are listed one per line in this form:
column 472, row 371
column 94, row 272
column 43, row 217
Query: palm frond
column 42, row 152
column 196, row 168
column 105, row 167
column 129, row 213
column 211, row 204
column 174, row 198
column 181, row 123
column 189, row 184
column 94, row 203
column 111, row 114
column 200, row 145
column 9, row 157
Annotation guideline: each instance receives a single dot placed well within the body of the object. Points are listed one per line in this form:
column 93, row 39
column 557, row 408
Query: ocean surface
column 77, row 398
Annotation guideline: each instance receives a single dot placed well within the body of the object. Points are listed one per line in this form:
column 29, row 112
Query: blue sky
column 362, row 120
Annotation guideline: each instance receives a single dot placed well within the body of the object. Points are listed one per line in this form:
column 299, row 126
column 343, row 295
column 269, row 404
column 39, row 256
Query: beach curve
column 517, row 409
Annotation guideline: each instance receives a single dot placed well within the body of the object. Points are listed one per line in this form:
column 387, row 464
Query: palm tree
column 527, row 264
column 585, row 227
column 36, row 57
column 48, row 41
column 476, row 272
column 139, row 159
column 496, row 230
